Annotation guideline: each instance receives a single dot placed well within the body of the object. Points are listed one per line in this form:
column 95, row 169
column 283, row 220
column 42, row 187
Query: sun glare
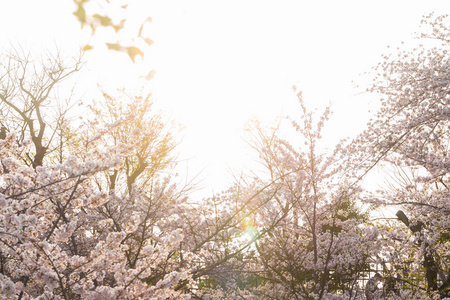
column 249, row 228
column 214, row 66
column 220, row 65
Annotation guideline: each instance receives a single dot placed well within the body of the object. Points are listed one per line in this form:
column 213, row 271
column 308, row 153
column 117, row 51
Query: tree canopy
column 93, row 208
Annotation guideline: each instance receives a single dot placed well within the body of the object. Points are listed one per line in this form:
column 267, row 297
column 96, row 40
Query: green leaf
column 104, row 20
column 116, row 46
column 133, row 51
column 80, row 13
column 87, row 48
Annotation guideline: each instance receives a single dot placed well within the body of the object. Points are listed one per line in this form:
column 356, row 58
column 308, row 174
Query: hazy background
column 221, row 63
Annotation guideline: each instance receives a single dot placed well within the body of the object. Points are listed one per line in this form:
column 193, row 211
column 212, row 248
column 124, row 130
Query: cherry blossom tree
column 28, row 85
column 55, row 244
column 308, row 239
column 94, row 209
column 67, row 230
column 411, row 131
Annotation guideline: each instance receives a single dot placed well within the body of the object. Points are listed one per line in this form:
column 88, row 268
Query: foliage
column 317, row 244
column 93, row 210
column 67, row 230
column 99, row 14
column 55, row 243
column 411, row 132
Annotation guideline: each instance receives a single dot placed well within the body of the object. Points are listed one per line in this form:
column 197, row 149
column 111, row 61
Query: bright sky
column 220, row 63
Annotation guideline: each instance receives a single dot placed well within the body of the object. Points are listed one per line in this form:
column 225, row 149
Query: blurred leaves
column 80, row 13
column 150, row 75
column 104, row 20
column 148, row 41
column 120, row 26
column 87, row 48
column 131, row 50
column 116, row 46
column 100, row 18
column 148, row 20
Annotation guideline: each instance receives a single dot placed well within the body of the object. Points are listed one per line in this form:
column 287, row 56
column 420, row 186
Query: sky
column 219, row 64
